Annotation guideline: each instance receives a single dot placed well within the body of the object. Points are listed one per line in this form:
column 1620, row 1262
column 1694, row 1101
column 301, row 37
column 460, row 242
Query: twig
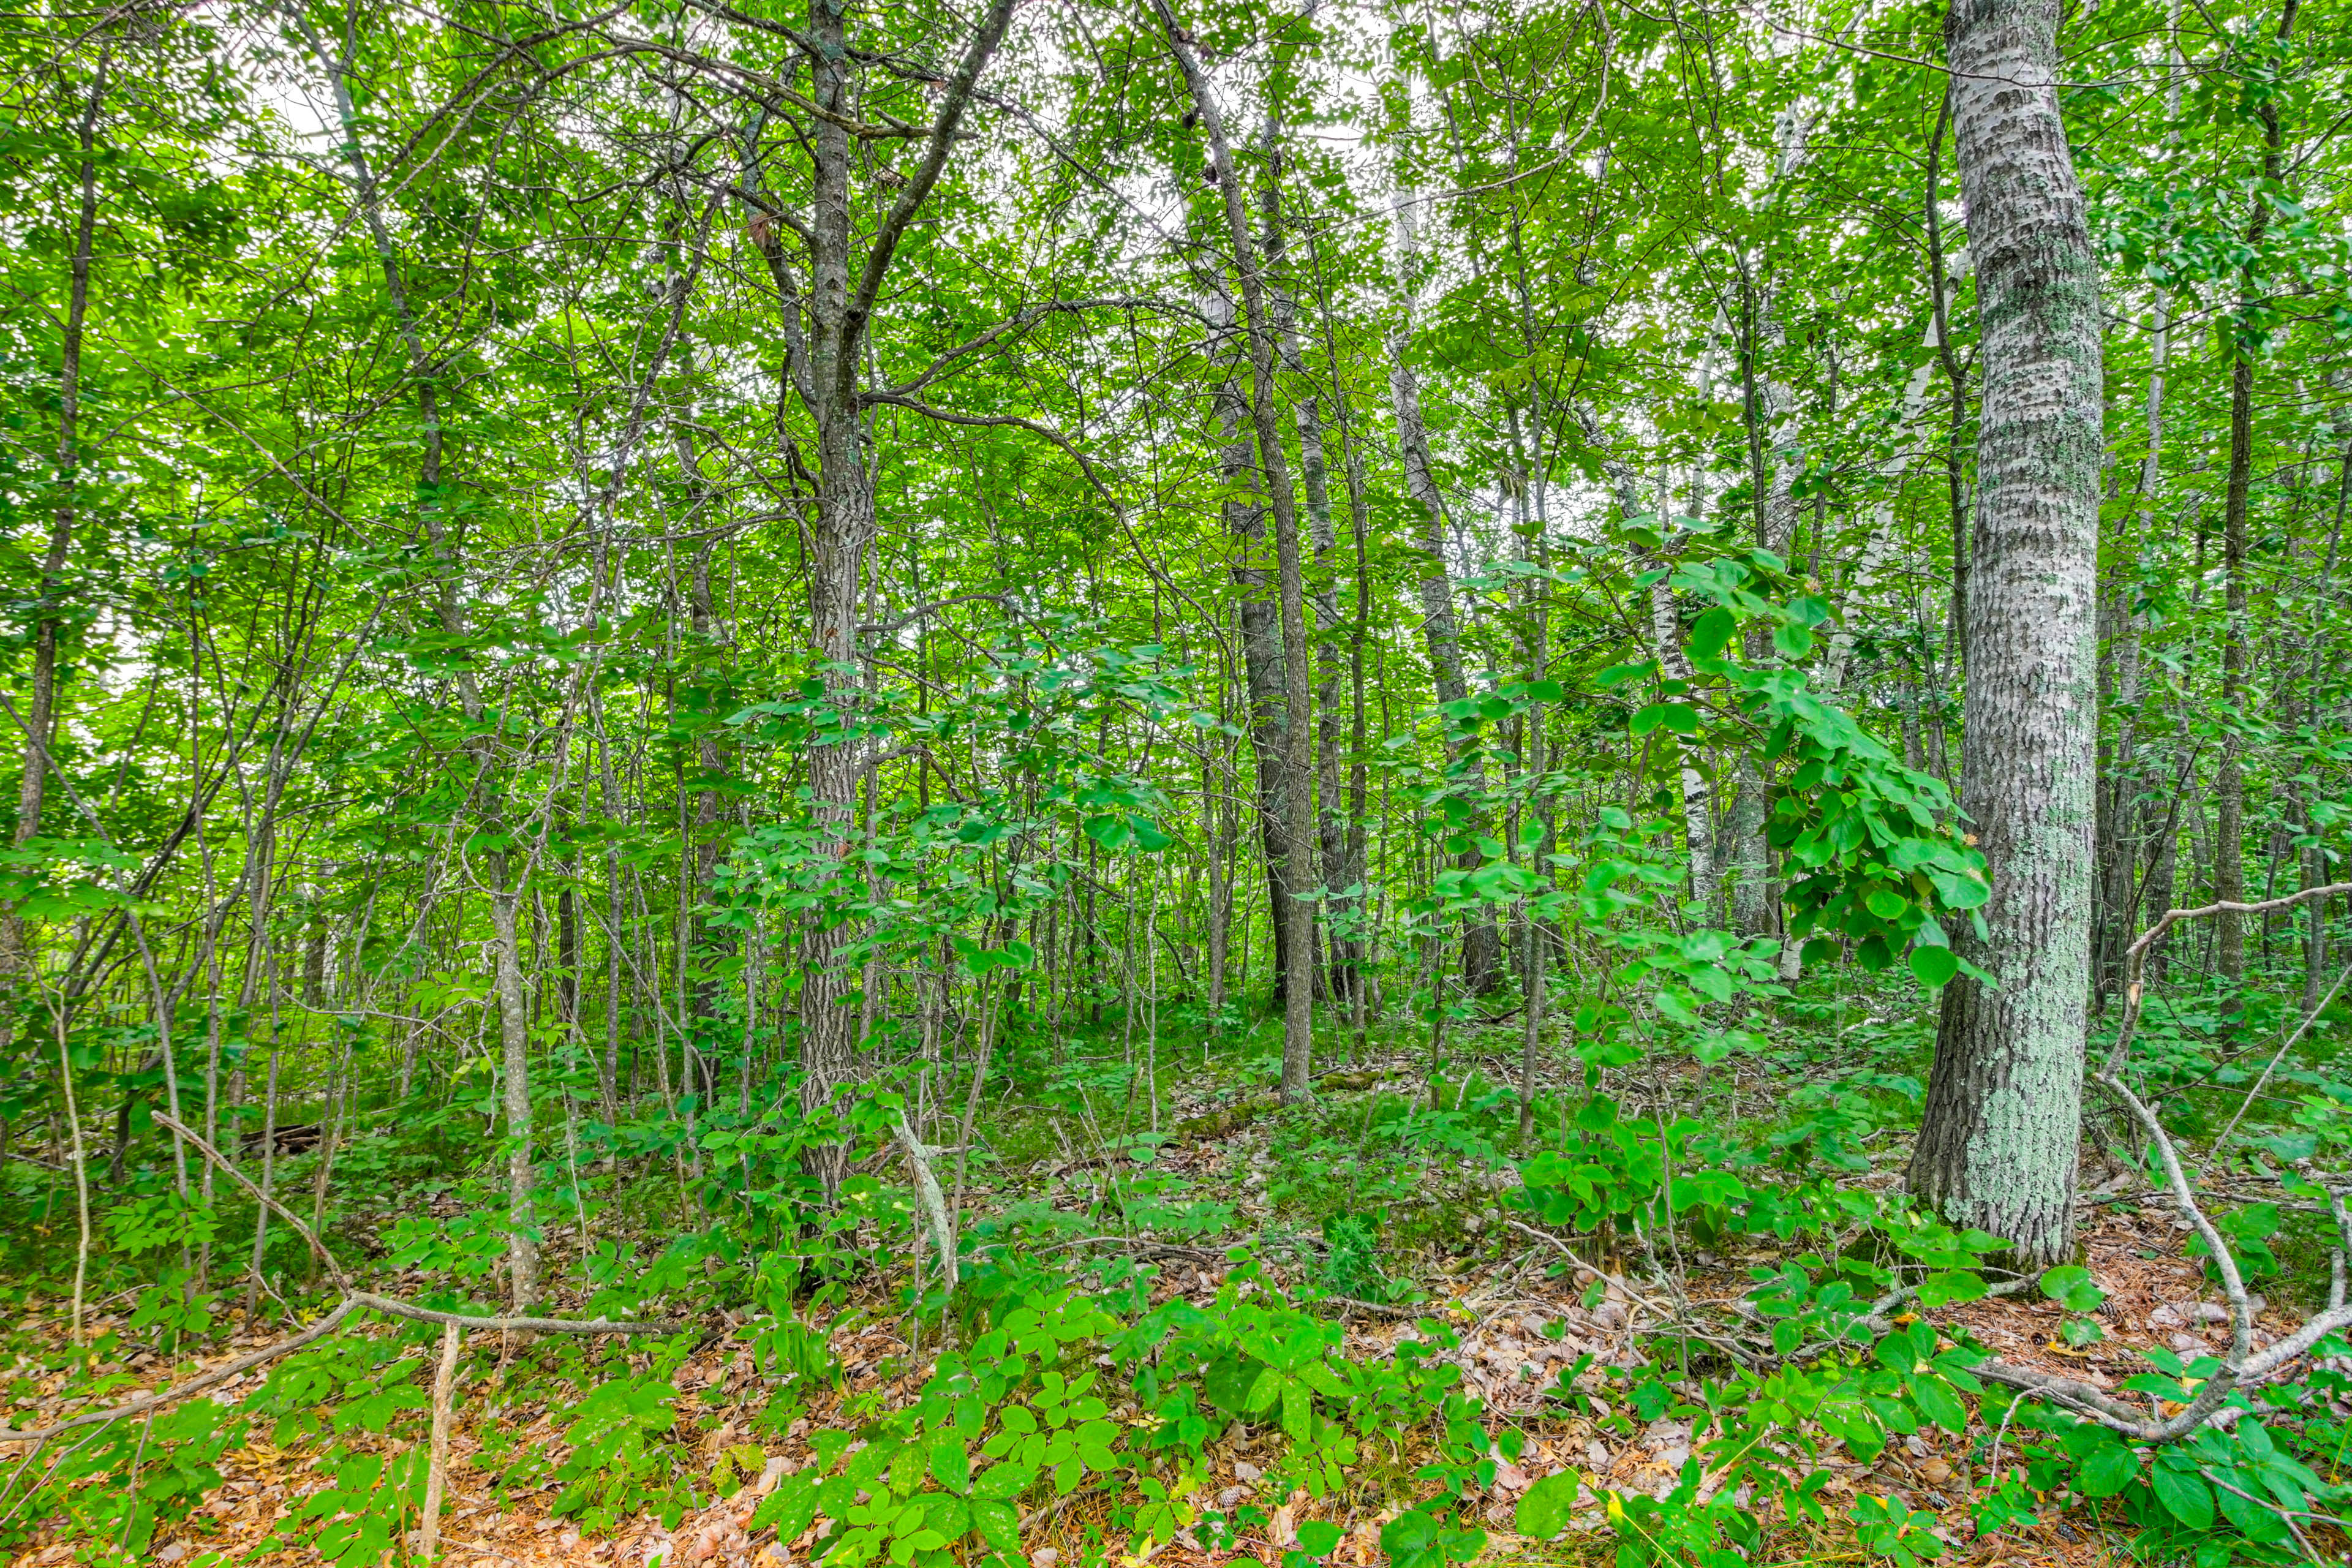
column 2136, row 956
column 197, row 1385
column 392, row 1307
column 2287, row 1516
column 2276, row 1057
column 1377, row 1309
column 436, row 1475
column 1044, row 1511
column 1562, row 1248
column 326, row 1259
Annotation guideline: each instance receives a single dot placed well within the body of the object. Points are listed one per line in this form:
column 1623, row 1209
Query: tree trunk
column 2121, row 782
column 514, row 1024
column 1314, row 479
column 2229, row 781
column 1998, row 1138
column 1296, row 917
column 824, row 333
column 1269, row 726
column 2314, row 854
column 1482, row 942
column 41, row 706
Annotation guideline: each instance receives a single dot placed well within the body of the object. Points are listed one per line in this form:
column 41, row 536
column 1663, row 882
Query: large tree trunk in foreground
column 1997, row 1145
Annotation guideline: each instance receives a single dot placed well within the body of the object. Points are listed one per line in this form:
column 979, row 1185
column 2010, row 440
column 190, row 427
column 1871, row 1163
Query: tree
column 827, row 321
column 1998, row 1135
column 1295, row 915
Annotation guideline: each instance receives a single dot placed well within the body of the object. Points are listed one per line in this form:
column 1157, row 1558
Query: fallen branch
column 436, row 1473
column 2241, row 1367
column 919, row 1156
column 197, row 1385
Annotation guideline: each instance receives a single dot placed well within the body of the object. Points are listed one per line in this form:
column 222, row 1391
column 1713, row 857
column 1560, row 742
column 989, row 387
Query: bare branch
column 1013, row 326
column 917, row 188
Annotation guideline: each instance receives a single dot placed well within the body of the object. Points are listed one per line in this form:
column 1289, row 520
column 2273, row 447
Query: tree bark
column 1298, row 817
column 1269, row 720
column 2228, row 780
column 41, row 706
column 1313, row 477
column 1998, row 1138
column 825, row 335
column 514, row 1022
column 1482, row 941
column 2313, row 855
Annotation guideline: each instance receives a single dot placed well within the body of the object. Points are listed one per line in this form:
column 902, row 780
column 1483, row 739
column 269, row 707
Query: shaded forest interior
column 1017, row 785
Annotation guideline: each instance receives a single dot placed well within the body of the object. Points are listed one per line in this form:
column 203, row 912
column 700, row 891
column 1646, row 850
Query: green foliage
column 123, row 1483
column 624, row 1459
column 1905, row 1535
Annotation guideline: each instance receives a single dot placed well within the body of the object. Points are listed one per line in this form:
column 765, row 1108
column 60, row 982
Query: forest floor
column 1519, row 1325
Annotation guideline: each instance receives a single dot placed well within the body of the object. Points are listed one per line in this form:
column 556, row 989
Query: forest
column 997, row 783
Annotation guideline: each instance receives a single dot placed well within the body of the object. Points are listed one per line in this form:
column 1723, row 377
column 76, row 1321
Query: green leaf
column 2258, row 1520
column 2106, row 1470
column 1951, row 1285
column 1004, row 1481
column 1618, row 674
column 2070, row 1286
column 951, row 1465
column 1934, row 966
column 791, row 1507
column 1938, row 1404
column 1709, row 634
column 1320, row 1537
column 2184, row 1495
column 997, row 1523
column 1547, row 1506
column 1679, row 717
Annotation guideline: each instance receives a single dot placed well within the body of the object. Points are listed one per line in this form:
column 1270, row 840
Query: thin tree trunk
column 2228, row 780
column 1482, row 942
column 41, row 706
column 1298, row 917
column 824, row 337
column 514, row 1022
column 1244, row 519
column 2315, row 855
column 1314, row 480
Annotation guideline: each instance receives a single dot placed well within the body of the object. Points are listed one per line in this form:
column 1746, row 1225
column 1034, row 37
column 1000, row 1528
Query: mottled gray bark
column 1331, row 844
column 1482, row 942
column 827, row 293
column 2229, row 779
column 1298, row 915
column 1998, row 1141
column 1269, row 724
